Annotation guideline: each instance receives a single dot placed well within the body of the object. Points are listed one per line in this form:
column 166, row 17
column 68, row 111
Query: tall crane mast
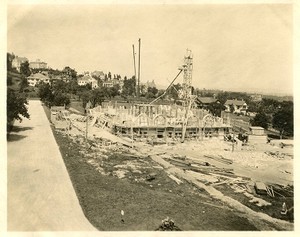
column 187, row 76
column 187, row 96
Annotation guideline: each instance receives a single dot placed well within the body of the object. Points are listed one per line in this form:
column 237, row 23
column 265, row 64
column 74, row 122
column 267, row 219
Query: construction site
column 187, row 146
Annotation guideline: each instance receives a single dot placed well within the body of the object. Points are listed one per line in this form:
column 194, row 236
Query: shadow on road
column 14, row 137
column 20, row 129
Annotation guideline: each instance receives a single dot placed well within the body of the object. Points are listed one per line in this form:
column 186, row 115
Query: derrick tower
column 187, row 69
column 186, row 93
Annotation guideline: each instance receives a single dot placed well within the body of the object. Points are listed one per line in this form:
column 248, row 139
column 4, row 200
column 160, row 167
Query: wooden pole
column 134, row 65
column 139, row 71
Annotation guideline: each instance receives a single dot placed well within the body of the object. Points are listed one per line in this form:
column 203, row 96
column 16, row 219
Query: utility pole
column 134, row 66
column 139, row 71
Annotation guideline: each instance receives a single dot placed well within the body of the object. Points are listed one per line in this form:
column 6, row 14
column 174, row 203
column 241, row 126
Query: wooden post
column 87, row 107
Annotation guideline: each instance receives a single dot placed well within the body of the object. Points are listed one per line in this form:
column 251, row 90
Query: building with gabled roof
column 87, row 79
column 36, row 78
column 239, row 106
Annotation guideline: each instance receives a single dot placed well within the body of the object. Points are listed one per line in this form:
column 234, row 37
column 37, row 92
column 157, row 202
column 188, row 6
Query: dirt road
column 40, row 194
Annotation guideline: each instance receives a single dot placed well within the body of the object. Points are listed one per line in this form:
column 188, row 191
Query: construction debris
column 260, row 188
column 168, row 225
column 178, row 181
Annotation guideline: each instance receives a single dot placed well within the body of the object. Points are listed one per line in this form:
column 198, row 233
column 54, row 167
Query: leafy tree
column 115, row 90
column 153, row 90
column 109, row 75
column 269, row 106
column 85, row 96
column 72, row 86
column 23, row 84
column 97, row 96
column 45, row 94
column 24, row 69
column 216, row 108
column 9, row 59
column 9, row 81
column 59, row 85
column 173, row 91
column 16, row 108
column 60, row 99
column 129, row 87
column 260, row 119
column 254, row 107
column 69, row 73
column 223, row 97
column 283, row 120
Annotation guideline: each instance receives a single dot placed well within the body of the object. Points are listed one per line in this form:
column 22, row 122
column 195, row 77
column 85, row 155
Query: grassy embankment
column 102, row 197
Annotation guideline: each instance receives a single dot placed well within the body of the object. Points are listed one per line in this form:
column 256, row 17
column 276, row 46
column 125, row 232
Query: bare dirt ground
column 196, row 170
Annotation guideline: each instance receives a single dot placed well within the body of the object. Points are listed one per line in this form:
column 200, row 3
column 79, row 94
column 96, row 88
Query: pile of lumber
column 201, row 167
column 220, row 159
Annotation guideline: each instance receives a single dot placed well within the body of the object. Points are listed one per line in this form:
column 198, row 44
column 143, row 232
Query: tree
column 16, row 108
column 69, row 73
column 60, row 99
column 72, row 86
column 24, row 69
column 216, row 108
column 23, row 84
column 97, row 97
column 45, row 94
column 59, row 85
column 9, row 59
column 129, row 87
column 85, row 96
column 283, row 120
column 223, row 97
column 173, row 91
column 151, row 92
column 260, row 119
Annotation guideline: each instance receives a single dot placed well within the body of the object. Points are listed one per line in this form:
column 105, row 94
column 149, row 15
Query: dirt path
column 40, row 194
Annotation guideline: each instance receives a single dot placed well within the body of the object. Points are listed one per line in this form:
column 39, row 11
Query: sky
column 235, row 47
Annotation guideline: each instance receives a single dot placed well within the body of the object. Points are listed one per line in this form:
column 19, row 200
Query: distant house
column 203, row 102
column 17, row 61
column 256, row 97
column 239, row 106
column 38, row 64
column 108, row 84
column 55, row 78
column 36, row 78
column 98, row 74
column 87, row 79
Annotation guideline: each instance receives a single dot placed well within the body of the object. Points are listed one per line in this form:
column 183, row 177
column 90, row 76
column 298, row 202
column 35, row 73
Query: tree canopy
column 129, row 87
column 16, row 107
column 260, row 119
column 283, row 119
column 24, row 69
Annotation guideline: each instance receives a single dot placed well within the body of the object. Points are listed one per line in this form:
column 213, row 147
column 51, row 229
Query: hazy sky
column 238, row 47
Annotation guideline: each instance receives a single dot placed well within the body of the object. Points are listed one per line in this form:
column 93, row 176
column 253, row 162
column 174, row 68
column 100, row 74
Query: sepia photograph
column 155, row 116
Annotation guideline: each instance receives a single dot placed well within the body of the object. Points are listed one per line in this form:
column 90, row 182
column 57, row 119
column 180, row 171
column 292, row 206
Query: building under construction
column 161, row 122
column 158, row 122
